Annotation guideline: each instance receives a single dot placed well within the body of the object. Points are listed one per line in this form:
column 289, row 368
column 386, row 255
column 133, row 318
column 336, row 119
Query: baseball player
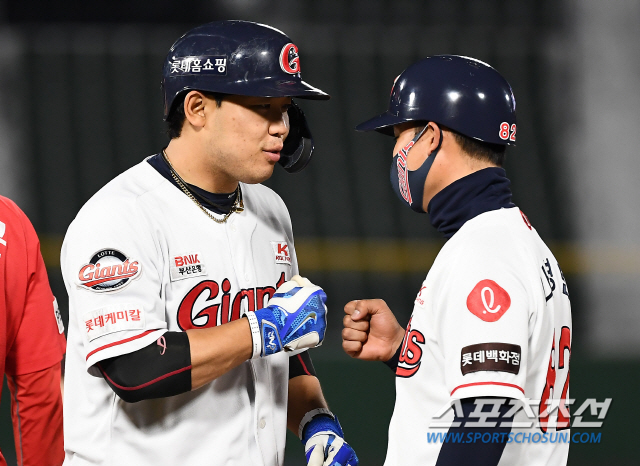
column 491, row 325
column 32, row 342
column 188, row 320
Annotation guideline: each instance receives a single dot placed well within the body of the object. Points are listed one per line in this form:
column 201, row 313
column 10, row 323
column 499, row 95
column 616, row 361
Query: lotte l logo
column 488, row 301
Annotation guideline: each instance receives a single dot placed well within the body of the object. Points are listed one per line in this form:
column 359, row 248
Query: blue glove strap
column 320, row 423
column 279, row 328
column 270, row 320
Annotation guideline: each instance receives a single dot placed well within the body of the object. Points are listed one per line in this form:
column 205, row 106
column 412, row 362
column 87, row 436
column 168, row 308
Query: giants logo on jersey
column 108, row 270
column 289, row 59
column 197, row 310
column 411, row 352
column 488, row 301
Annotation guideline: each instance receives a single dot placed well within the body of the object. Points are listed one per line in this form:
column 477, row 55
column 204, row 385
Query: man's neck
column 190, row 161
column 457, row 167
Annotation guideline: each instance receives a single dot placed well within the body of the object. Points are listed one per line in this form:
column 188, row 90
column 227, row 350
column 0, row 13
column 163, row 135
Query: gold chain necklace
column 238, row 205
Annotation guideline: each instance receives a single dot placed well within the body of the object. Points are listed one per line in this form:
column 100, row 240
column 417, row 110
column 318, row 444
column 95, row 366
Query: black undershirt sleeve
column 163, row 369
column 158, row 370
column 300, row 364
column 479, row 446
column 395, row 359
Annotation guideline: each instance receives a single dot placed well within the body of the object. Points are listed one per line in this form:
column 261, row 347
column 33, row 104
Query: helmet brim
column 382, row 123
column 280, row 88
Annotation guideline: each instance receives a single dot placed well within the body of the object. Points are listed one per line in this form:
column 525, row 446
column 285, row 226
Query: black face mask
column 409, row 184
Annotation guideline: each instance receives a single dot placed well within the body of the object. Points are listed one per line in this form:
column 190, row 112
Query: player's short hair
column 479, row 150
column 175, row 119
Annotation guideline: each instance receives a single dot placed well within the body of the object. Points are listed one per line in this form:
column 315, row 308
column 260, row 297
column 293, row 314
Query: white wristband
column 255, row 334
column 310, row 415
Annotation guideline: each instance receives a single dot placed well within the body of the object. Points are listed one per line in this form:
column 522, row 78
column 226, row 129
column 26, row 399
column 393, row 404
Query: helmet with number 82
column 461, row 93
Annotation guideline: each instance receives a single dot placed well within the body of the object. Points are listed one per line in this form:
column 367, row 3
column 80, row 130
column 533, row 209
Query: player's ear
column 194, row 106
column 431, row 136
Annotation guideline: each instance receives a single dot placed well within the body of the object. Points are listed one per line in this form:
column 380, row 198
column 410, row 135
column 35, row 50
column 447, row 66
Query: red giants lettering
column 411, row 352
column 198, row 310
column 91, row 274
column 207, row 316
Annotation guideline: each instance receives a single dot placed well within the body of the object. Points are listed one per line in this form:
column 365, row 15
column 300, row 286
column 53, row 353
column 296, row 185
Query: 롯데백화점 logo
column 497, row 357
column 108, row 270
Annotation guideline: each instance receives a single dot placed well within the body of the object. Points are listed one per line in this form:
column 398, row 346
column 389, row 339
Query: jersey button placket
column 262, row 423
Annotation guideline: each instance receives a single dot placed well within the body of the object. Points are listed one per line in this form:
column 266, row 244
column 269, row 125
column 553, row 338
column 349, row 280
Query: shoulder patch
column 281, row 252
column 108, row 270
column 112, row 319
column 488, row 301
column 186, row 266
column 498, row 357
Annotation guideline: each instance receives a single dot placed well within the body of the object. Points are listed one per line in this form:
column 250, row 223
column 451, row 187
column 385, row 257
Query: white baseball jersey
column 141, row 259
column 492, row 319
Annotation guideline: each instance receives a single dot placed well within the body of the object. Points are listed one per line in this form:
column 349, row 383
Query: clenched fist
column 371, row 331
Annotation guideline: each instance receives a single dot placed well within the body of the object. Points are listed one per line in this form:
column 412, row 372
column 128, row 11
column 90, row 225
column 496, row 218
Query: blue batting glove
column 324, row 444
column 294, row 318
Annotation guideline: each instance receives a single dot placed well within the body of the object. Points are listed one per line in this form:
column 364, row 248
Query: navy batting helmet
column 243, row 58
column 461, row 93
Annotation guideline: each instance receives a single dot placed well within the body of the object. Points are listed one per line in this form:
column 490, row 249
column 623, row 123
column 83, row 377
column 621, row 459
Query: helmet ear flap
column 298, row 147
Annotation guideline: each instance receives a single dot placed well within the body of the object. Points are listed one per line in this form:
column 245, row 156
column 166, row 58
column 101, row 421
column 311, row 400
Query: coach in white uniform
column 164, row 262
column 491, row 326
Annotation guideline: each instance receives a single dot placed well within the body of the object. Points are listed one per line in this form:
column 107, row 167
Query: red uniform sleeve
column 36, row 411
column 39, row 339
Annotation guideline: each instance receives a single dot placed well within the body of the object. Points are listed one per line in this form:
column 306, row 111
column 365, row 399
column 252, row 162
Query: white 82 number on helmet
column 508, row 133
